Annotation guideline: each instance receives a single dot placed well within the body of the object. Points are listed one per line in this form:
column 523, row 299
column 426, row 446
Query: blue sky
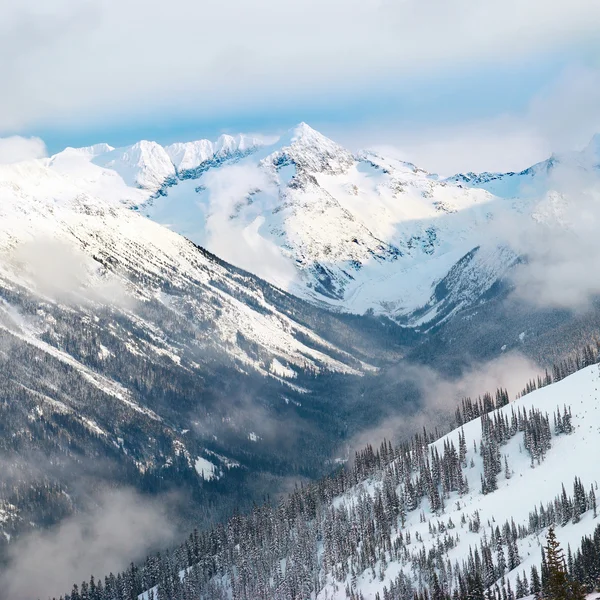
column 447, row 83
column 412, row 102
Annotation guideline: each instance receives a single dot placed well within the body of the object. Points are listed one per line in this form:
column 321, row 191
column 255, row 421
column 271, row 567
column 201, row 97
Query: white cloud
column 72, row 59
column 16, row 148
column 440, row 396
column 63, row 272
column 501, row 144
column 240, row 240
column 561, row 244
column 121, row 528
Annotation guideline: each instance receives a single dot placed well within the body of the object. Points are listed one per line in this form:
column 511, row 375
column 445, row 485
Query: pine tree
column 535, row 587
column 559, row 585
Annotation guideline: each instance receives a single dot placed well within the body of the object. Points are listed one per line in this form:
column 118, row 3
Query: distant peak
column 228, row 144
column 98, row 149
column 310, row 150
column 303, row 135
column 303, row 131
column 145, row 145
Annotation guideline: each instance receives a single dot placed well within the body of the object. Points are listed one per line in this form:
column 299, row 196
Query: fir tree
column 559, row 585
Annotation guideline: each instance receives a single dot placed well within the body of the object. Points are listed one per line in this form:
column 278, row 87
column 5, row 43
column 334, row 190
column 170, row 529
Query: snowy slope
column 117, row 332
column 529, row 486
column 384, row 530
column 42, row 211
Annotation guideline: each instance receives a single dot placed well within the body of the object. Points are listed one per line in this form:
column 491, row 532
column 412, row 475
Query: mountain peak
column 304, row 133
column 310, row 150
column 304, row 129
column 144, row 164
column 228, row 144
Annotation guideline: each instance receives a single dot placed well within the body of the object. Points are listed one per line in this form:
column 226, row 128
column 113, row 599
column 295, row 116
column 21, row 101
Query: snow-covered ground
column 574, row 455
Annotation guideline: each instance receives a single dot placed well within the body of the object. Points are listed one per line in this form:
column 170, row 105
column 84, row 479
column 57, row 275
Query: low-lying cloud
column 16, row 149
column 122, row 527
column 59, row 270
column 560, row 244
column 239, row 196
column 440, row 396
column 561, row 116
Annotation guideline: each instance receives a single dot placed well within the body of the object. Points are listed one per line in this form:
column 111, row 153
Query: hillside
column 132, row 356
column 466, row 512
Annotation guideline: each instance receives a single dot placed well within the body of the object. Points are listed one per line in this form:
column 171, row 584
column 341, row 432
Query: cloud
column 16, row 148
column 120, row 528
column 567, row 112
column 64, row 273
column 232, row 55
column 501, row 144
column 439, row 396
column 239, row 196
column 560, row 244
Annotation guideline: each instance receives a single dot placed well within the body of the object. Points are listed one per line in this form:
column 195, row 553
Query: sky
column 448, row 84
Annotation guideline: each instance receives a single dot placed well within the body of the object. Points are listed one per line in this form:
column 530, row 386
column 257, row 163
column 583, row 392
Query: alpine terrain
column 214, row 324
column 353, row 232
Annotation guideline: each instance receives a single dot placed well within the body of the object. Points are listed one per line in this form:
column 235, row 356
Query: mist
column 64, row 273
column 17, row 148
column 439, row 395
column 120, row 528
column 239, row 196
column 560, row 244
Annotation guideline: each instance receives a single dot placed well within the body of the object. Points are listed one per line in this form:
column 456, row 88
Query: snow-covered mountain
column 43, row 212
column 353, row 232
column 125, row 340
column 125, row 343
column 150, row 166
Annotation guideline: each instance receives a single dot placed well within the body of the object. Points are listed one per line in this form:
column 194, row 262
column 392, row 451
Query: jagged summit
column 188, row 155
column 191, row 155
column 309, row 151
column 305, row 134
column 150, row 166
column 145, row 164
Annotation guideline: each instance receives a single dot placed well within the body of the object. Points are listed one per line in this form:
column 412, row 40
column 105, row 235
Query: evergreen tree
column 535, row 586
column 559, row 585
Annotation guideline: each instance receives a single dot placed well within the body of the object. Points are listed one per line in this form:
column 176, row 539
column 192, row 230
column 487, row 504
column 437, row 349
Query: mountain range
column 219, row 317
column 352, row 232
